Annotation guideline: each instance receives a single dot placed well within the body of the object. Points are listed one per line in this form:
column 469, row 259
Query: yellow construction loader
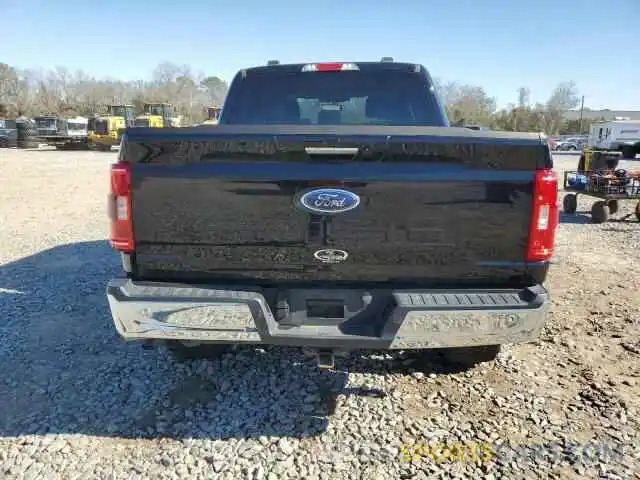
column 592, row 160
column 158, row 115
column 105, row 130
column 213, row 115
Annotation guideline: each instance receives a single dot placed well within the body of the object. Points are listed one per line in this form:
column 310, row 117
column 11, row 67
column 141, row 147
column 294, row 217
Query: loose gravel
column 77, row 403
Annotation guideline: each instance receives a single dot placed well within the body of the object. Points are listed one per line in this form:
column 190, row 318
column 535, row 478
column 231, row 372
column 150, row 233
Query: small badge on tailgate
column 329, row 201
column 330, row 255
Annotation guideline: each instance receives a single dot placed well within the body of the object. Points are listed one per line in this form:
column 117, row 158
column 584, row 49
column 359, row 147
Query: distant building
column 589, row 114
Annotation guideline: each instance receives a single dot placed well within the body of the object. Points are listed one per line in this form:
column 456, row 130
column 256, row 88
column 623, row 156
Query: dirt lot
column 78, row 403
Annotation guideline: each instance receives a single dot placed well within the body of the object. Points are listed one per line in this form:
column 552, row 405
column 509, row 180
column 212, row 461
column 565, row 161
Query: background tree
column 214, row 89
column 61, row 91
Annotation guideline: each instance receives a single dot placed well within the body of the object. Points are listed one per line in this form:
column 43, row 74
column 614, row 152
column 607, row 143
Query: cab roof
column 368, row 66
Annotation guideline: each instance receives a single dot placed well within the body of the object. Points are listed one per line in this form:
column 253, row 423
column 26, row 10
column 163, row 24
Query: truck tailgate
column 437, row 206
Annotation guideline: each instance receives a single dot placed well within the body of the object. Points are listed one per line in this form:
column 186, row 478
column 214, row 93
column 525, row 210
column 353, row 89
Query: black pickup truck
column 333, row 208
column 8, row 133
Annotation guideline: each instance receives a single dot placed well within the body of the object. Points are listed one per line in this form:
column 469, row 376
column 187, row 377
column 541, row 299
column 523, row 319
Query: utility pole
column 581, row 110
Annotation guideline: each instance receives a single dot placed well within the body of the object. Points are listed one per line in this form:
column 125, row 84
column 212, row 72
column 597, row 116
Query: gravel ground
column 78, row 403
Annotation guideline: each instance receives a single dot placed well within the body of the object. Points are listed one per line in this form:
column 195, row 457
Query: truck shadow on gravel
column 577, row 218
column 64, row 370
column 584, row 217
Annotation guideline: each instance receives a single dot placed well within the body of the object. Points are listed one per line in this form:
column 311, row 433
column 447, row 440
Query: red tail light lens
column 120, row 208
column 544, row 216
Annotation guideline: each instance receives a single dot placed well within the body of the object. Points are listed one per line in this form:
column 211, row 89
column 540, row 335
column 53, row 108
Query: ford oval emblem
column 331, row 255
column 329, row 201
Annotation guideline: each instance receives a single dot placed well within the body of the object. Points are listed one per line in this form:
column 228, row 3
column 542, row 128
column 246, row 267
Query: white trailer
column 73, row 133
column 616, row 136
column 77, row 127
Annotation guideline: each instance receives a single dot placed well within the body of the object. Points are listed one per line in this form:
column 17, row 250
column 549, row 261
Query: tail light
column 544, row 216
column 120, row 208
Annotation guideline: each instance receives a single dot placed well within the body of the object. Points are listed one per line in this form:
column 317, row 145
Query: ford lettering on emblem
column 329, row 201
column 331, row 255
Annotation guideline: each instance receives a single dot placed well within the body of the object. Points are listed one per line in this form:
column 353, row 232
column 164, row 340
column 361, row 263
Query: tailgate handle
column 332, row 150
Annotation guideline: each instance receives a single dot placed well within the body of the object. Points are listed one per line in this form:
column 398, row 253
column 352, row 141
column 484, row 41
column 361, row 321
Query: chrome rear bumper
column 389, row 319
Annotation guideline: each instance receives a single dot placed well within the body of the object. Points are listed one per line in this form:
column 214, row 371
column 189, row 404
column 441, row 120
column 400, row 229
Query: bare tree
column 63, row 92
column 523, row 97
column 564, row 97
column 9, row 86
column 466, row 104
